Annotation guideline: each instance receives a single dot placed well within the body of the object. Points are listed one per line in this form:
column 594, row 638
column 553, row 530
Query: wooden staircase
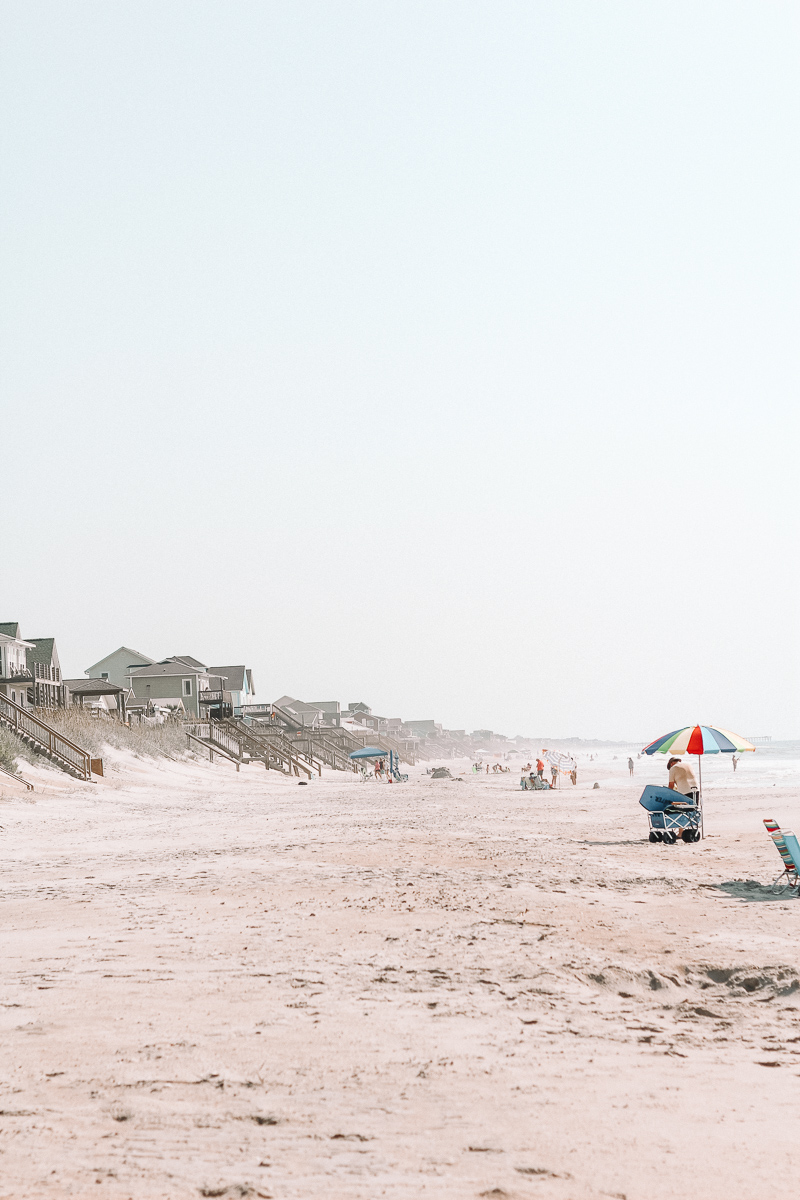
column 45, row 740
column 382, row 741
column 288, row 746
column 291, row 755
column 232, row 739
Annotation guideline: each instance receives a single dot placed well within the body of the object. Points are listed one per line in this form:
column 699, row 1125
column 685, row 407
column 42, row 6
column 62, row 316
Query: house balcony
column 17, row 679
column 217, row 705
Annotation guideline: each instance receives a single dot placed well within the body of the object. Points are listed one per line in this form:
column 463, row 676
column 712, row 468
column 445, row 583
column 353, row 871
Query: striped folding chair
column 790, row 875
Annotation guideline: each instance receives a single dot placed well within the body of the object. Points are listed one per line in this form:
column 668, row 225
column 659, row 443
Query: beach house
column 237, row 686
column 330, row 709
column 48, row 689
column 118, row 666
column 15, row 677
column 424, row 729
column 304, row 714
column 172, row 682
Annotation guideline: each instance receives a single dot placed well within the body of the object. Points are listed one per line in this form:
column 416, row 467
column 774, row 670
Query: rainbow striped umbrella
column 699, row 739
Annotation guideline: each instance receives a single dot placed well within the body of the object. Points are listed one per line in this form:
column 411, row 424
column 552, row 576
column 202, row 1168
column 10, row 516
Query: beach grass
column 11, row 748
column 93, row 733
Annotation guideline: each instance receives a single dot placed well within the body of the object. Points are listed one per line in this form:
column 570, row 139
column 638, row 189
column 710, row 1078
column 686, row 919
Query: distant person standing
column 554, row 776
column 540, row 768
column 735, row 761
column 630, row 766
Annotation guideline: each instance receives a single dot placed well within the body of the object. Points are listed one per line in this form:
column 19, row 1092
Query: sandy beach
column 222, row 984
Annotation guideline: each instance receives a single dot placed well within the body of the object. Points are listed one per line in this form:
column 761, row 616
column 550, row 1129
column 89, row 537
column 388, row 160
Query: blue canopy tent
column 374, row 752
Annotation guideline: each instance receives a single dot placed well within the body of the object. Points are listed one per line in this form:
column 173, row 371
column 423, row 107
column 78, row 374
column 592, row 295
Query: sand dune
column 228, row 985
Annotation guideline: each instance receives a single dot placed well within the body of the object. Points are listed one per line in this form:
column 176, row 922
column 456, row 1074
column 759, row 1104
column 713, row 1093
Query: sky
column 440, row 354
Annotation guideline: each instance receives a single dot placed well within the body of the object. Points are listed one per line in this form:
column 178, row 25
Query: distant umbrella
column 562, row 762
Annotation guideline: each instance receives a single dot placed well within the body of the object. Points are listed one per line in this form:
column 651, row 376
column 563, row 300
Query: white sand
column 220, row 984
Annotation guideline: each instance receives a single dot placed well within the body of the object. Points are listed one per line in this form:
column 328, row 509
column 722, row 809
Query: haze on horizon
column 440, row 355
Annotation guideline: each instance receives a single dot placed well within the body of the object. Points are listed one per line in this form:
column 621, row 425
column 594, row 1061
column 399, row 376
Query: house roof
column 131, row 654
column 233, row 675
column 42, row 651
column 186, row 658
column 93, row 687
column 171, row 667
column 10, row 629
column 295, row 706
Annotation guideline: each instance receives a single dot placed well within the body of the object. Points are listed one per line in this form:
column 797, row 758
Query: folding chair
column 788, row 847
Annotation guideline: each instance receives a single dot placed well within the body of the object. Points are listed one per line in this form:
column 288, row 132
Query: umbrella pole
column 700, row 773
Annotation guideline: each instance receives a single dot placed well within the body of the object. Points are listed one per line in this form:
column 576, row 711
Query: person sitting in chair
column 681, row 779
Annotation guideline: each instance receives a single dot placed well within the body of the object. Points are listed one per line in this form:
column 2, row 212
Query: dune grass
column 11, row 748
column 93, row 733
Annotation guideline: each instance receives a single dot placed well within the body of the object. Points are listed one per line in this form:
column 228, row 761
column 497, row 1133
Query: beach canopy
column 369, row 752
column 699, row 739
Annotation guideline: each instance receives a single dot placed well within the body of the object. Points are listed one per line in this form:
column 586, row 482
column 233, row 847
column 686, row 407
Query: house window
column 187, row 687
column 104, row 674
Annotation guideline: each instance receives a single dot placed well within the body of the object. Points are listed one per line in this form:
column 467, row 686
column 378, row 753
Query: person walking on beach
column 681, row 779
column 540, row 768
column 630, row 766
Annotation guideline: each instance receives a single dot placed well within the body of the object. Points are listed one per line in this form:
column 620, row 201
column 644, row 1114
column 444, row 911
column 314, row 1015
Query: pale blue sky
column 442, row 355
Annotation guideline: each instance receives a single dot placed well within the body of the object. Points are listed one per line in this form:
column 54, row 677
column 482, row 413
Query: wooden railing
column 45, row 739
column 313, row 743
column 229, row 742
column 212, row 749
column 263, row 742
column 370, row 737
column 17, row 778
column 326, row 749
